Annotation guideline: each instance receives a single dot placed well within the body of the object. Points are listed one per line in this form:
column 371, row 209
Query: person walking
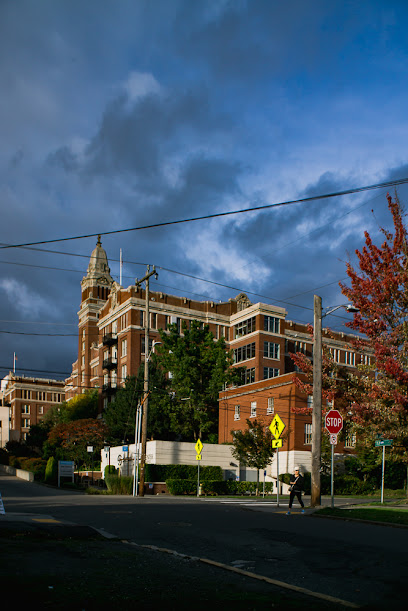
column 296, row 488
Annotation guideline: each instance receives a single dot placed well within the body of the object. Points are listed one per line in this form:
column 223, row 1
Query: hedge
column 119, row 485
column 215, row 487
column 161, row 473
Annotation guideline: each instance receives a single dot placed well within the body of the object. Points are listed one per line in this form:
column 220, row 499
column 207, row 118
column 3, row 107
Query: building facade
column 111, row 346
column 25, row 401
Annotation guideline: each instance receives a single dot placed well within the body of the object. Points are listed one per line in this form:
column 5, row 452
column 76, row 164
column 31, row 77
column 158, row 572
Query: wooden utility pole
column 146, row 379
column 317, row 404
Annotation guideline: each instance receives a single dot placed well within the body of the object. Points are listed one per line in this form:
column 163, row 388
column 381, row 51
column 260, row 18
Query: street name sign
column 383, row 442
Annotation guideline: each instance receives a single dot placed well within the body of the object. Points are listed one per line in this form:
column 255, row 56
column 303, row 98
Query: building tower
column 96, row 286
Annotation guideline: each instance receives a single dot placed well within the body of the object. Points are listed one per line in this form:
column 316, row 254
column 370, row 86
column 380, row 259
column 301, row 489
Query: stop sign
column 334, row 422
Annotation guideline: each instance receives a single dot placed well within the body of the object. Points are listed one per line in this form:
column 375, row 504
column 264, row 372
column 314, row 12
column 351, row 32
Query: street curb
column 362, row 521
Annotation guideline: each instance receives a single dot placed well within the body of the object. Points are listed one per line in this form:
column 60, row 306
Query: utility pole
column 146, row 379
column 315, row 499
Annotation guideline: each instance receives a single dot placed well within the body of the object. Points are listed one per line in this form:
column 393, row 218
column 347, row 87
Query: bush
column 119, row 485
column 51, row 472
column 161, row 473
column 182, row 486
column 36, row 466
column 110, row 470
column 4, row 457
column 215, row 487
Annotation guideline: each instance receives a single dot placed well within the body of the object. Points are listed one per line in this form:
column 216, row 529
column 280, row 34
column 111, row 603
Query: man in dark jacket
column 296, row 488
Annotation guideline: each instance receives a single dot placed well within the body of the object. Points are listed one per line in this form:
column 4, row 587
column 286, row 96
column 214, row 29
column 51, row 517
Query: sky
column 118, row 115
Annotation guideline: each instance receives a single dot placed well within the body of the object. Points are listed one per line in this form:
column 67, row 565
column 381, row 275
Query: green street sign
column 384, row 442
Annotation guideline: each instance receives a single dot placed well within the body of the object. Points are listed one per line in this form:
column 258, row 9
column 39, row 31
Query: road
column 356, row 562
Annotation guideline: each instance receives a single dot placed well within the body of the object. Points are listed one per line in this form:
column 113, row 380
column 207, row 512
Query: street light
column 141, row 417
column 315, row 498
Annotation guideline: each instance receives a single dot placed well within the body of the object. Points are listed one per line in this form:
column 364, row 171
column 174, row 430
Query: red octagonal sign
column 334, row 422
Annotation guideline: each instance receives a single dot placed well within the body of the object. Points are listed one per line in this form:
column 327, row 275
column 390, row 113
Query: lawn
column 374, row 512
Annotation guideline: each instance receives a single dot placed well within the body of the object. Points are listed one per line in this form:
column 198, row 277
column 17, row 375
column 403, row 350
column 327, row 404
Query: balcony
column 109, row 389
column 110, row 363
column 110, row 339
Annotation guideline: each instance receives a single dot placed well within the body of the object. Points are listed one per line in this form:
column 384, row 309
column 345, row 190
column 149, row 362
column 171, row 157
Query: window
column 300, row 347
column 124, row 347
column 153, row 320
column 143, row 339
column 83, row 346
column 365, row 359
column 270, row 372
column 220, row 331
column 271, row 406
column 25, row 423
column 308, row 434
column 271, row 350
column 25, row 409
column 26, row 394
column 141, row 318
column 335, row 354
column 253, row 409
column 40, row 409
column 310, row 401
column 237, row 412
column 271, row 324
column 83, row 361
column 248, row 376
column 350, row 358
column 244, row 353
column 245, row 327
column 41, row 395
column 124, row 374
column 350, row 440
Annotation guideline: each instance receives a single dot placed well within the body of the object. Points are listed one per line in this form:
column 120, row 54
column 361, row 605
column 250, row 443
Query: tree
column 199, row 368
column 253, row 447
column 79, row 407
column 379, row 289
column 120, row 415
column 70, row 440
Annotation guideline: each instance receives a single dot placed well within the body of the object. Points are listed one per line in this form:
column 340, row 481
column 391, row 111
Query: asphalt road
column 361, row 563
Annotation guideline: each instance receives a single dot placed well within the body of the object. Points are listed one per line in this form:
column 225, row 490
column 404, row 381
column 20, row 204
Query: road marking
column 233, row 569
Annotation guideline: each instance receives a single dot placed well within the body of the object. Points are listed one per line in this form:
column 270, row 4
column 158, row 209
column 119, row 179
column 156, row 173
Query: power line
column 303, row 200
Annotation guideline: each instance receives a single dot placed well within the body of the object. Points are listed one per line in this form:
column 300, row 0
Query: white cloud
column 25, row 300
column 140, row 84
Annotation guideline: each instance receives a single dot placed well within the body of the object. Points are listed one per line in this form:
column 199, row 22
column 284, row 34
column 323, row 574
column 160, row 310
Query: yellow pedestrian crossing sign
column 277, row 443
column 276, row 426
column 198, row 446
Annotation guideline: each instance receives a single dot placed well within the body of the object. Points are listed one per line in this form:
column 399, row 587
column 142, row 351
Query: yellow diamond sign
column 276, row 426
column 198, row 446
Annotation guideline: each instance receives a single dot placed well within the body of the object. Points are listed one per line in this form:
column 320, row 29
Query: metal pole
column 146, row 382
column 382, row 475
column 332, row 475
column 277, row 477
column 198, row 478
column 317, row 404
column 136, row 452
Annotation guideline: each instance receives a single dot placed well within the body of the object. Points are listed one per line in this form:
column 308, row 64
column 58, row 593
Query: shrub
column 36, row 466
column 4, row 457
column 182, row 486
column 161, row 473
column 119, row 485
column 110, row 470
column 51, row 472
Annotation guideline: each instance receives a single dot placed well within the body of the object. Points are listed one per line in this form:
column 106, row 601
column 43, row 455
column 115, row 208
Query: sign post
column 276, row 427
column 383, row 443
column 334, row 424
column 198, row 448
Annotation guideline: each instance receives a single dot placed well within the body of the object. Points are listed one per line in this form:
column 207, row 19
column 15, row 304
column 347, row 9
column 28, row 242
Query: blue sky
column 129, row 113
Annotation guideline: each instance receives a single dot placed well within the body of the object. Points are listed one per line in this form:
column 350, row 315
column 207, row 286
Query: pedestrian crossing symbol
column 198, row 446
column 276, row 426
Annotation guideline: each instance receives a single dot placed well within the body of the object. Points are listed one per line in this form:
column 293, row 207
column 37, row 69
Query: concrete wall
column 180, row 453
column 26, row 475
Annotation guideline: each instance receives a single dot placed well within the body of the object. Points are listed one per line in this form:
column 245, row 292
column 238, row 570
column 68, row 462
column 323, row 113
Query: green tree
column 199, row 367
column 70, row 440
column 79, row 407
column 253, row 447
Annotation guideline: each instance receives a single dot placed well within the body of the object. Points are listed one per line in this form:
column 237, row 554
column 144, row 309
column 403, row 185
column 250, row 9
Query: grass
column 374, row 512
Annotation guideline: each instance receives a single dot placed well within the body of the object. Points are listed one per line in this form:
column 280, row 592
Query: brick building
column 25, row 401
column 112, row 337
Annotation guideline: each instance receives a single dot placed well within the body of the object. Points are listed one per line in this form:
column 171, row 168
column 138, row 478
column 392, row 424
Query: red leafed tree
column 71, row 440
column 379, row 289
